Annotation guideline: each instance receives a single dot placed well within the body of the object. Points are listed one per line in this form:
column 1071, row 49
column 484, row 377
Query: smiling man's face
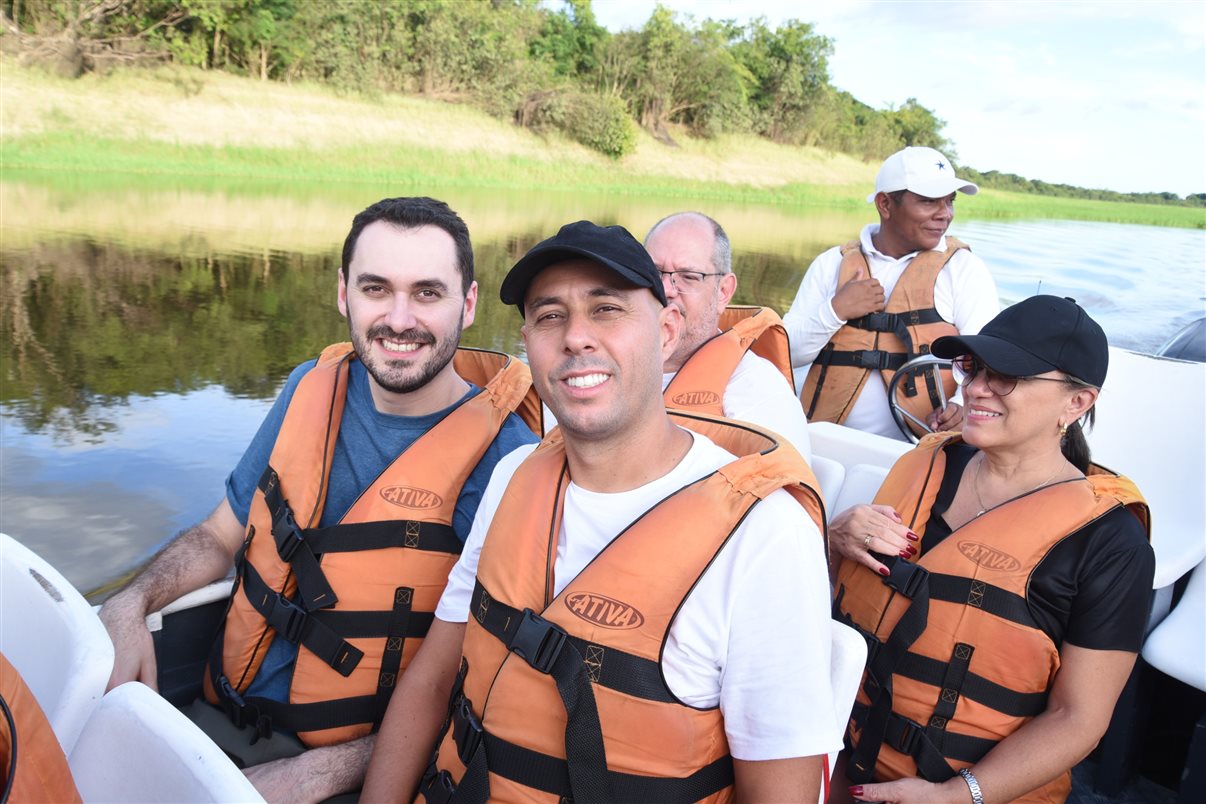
column 596, row 345
column 404, row 305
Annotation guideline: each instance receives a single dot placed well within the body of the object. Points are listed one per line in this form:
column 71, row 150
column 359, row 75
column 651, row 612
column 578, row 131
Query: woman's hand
column 912, row 789
column 859, row 531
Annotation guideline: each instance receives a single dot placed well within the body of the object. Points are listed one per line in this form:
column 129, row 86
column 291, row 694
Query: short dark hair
column 411, row 213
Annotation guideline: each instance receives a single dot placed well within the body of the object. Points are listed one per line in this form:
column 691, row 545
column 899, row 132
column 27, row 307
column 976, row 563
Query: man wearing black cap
column 613, row 596
column 865, row 308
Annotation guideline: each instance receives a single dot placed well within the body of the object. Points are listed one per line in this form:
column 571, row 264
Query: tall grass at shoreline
column 75, row 158
column 197, row 130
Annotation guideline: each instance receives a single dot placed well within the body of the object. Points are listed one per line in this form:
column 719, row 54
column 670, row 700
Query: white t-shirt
column 964, row 294
column 758, row 393
column 753, row 636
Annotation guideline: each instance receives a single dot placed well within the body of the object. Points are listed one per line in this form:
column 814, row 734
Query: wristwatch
column 972, row 785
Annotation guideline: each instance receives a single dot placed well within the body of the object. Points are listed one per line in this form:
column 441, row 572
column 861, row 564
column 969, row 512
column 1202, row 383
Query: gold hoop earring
column 1063, row 430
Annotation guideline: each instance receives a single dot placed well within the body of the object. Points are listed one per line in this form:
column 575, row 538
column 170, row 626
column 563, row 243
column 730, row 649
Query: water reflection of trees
column 89, row 323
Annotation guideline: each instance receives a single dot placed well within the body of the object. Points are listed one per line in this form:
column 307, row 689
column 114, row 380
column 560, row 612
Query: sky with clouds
column 1096, row 94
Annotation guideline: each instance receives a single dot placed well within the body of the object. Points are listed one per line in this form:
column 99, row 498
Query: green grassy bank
column 216, row 132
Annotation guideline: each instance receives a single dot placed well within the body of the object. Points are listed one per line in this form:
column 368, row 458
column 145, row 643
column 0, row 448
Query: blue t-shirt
column 368, row 442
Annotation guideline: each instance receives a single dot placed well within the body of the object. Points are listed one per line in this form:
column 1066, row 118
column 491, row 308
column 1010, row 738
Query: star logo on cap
column 941, row 165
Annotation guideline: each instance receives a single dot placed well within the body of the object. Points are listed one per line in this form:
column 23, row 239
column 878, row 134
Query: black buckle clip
column 907, row 578
column 286, row 533
column 437, row 788
column 537, row 641
column 232, row 703
column 294, row 619
column 910, row 733
column 878, row 322
column 871, row 359
column 466, row 730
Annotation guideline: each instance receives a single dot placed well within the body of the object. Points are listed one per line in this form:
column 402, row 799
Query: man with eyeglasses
column 726, row 373
column 871, row 305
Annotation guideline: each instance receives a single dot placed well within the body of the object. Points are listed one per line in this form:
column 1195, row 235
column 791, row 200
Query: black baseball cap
column 612, row 247
column 1036, row 335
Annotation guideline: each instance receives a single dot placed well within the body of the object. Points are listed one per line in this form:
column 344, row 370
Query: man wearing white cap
column 872, row 304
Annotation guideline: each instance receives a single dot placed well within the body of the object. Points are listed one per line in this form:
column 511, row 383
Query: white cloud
column 1050, row 90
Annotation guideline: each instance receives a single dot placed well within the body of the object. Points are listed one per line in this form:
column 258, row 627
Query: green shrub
column 597, row 121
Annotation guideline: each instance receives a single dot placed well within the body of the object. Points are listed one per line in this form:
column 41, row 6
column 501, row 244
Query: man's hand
column 124, row 617
column 949, row 418
column 859, row 296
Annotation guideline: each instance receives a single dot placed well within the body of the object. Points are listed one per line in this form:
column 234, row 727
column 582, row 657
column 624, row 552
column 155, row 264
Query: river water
column 146, row 330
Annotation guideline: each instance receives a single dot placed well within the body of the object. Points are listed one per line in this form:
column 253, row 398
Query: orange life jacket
column 357, row 597
column 700, row 382
column 882, row 341
column 594, row 650
column 956, row 662
column 32, row 764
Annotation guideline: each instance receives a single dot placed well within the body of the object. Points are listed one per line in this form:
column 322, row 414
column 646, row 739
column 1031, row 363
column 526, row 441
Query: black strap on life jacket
column 574, row 665
column 911, row 581
column 301, row 547
column 877, row 359
column 266, row 714
column 897, row 323
column 931, row 745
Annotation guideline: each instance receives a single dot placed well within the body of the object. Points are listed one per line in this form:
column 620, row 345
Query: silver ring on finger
column 867, row 541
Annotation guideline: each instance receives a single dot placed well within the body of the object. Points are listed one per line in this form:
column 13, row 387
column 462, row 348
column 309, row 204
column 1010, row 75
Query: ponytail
column 1073, row 444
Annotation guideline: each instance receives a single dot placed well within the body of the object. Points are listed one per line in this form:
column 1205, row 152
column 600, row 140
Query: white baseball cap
column 923, row 171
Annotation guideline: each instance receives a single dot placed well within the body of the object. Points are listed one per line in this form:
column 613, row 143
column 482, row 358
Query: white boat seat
column 847, row 660
column 1177, row 646
column 850, row 447
column 54, row 639
column 138, row 747
column 1151, row 429
column 860, row 487
column 830, row 476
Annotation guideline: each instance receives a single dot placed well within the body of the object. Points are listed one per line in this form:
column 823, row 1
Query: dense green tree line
column 1020, row 184
column 547, row 66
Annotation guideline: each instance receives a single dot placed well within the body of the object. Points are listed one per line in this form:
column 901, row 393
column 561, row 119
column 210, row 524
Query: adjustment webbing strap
column 545, row 647
column 980, row 595
column 298, row 626
column 553, row 775
column 312, row 588
column 975, row 687
column 823, row 359
column 902, row 733
column 411, row 534
column 897, row 323
column 874, row 359
column 909, row 738
column 609, row 667
column 910, row 580
column 266, row 714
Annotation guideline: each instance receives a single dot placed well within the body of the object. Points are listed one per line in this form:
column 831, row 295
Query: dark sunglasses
column 967, row 367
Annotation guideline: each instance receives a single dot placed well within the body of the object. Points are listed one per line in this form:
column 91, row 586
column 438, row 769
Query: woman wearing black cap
column 1001, row 579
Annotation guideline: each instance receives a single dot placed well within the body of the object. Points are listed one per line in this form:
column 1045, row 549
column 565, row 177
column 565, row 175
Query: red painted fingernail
column 884, row 571
column 905, row 553
column 913, row 537
column 912, row 550
column 856, row 790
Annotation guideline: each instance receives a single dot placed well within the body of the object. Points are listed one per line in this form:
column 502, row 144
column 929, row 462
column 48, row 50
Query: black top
column 1093, row 589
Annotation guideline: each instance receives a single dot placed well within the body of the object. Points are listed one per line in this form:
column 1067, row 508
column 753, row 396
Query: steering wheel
column 917, row 368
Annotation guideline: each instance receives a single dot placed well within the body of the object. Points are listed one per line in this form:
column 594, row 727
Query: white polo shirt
column 964, row 294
